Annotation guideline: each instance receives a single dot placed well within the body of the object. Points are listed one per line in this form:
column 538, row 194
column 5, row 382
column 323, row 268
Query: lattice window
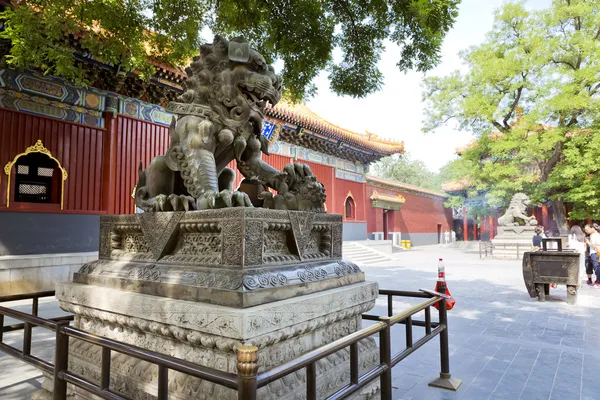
column 43, row 171
column 34, row 179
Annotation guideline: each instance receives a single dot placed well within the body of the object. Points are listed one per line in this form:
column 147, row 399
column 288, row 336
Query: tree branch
column 499, row 126
column 597, row 34
column 512, row 107
column 552, row 161
column 448, row 119
column 594, row 89
column 564, row 62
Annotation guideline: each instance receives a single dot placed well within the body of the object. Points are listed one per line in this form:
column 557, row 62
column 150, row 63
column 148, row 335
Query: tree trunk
column 560, row 216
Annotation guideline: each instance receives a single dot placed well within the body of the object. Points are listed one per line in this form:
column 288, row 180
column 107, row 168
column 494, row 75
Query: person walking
column 577, row 243
column 589, row 268
column 594, row 243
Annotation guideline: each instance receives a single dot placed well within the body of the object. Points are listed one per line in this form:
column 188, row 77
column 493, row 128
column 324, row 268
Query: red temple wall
column 326, row 175
column 136, row 141
column 103, row 169
column 342, row 189
column 78, row 148
column 418, row 215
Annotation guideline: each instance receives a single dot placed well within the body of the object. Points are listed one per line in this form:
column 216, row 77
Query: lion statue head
column 234, row 81
column 520, row 202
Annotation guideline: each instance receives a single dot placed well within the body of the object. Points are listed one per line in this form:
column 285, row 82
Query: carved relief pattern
column 233, row 241
column 336, row 241
column 206, row 244
column 149, row 273
column 219, row 280
column 346, row 268
column 312, row 274
column 313, row 245
column 189, row 227
column 127, row 256
column 158, row 228
column 209, row 260
column 253, row 245
column 302, row 224
column 131, row 376
column 227, row 222
column 105, row 239
column 94, row 267
column 263, row 279
column 325, row 239
column 276, row 242
column 181, row 318
column 134, row 326
column 134, row 243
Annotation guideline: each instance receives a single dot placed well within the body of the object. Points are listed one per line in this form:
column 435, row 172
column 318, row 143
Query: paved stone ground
column 503, row 344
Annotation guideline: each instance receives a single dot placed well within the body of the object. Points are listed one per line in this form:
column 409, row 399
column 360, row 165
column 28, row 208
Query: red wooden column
column 589, row 221
column 474, row 227
column 109, row 163
column 465, row 225
column 545, row 216
column 491, row 224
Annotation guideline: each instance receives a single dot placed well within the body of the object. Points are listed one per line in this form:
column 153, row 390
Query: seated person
column 537, row 239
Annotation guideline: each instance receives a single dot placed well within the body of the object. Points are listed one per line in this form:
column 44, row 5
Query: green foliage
column 404, row 169
column 547, row 64
column 302, row 33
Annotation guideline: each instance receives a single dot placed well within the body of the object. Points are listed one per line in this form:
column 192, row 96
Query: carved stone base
column 209, row 335
column 237, row 257
column 198, row 285
column 512, row 241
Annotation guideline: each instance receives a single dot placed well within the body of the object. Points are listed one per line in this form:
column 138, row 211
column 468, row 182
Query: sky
column 396, row 112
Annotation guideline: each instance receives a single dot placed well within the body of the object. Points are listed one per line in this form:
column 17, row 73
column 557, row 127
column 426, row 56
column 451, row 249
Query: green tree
column 531, row 96
column 403, row 168
column 302, row 33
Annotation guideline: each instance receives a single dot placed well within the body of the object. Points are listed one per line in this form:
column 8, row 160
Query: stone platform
column 512, row 241
column 198, row 285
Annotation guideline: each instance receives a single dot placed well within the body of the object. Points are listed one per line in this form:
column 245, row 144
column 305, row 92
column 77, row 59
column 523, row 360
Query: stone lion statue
column 220, row 118
column 517, row 209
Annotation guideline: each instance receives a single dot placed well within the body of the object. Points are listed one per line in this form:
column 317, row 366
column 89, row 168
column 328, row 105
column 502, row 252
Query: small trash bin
column 546, row 266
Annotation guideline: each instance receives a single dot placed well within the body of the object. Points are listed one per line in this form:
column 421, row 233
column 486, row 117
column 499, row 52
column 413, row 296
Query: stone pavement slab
column 503, row 344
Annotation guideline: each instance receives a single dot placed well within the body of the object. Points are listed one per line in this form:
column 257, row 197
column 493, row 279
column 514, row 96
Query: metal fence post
column 385, row 357
column 61, row 361
column 247, row 367
column 445, row 381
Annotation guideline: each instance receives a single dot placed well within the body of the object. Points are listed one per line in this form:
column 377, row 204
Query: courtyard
column 503, row 344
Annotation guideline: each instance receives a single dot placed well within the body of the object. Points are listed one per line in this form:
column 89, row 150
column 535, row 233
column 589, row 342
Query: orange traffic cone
column 442, row 287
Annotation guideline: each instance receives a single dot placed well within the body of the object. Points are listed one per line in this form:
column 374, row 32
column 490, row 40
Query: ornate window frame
column 38, row 147
column 352, row 205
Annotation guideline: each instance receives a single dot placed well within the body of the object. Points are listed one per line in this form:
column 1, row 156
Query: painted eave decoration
column 404, row 187
column 457, row 186
column 313, row 125
column 386, row 201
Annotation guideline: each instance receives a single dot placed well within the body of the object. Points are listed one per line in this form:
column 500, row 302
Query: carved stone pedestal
column 512, row 241
column 198, row 285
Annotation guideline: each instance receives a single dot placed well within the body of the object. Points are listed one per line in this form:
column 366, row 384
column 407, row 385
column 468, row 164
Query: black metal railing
column 485, row 249
column 247, row 381
column 34, row 297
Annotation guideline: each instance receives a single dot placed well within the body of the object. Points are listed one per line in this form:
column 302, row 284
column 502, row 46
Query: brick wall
column 417, row 220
